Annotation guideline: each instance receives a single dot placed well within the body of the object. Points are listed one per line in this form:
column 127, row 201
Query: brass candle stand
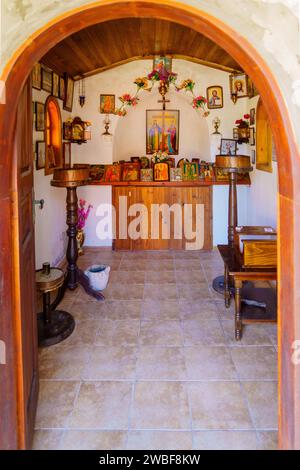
column 233, row 165
column 71, row 179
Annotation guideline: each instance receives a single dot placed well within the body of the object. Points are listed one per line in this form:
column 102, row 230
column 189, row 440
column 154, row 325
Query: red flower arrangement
column 82, row 213
column 199, row 102
column 129, row 100
column 162, row 75
column 243, row 122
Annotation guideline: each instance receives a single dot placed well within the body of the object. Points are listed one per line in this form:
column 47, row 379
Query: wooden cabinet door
column 25, row 271
column 121, row 199
column 160, row 226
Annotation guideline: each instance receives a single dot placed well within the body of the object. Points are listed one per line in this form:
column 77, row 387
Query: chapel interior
column 161, row 318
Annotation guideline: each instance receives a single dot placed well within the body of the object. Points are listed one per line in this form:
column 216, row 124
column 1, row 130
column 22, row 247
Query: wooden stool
column 53, row 325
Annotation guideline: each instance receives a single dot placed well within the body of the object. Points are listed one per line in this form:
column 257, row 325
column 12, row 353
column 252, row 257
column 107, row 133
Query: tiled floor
column 156, row 366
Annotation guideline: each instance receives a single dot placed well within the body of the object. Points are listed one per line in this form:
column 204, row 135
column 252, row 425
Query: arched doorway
column 14, row 77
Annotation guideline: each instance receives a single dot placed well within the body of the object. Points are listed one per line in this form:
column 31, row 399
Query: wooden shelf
column 177, row 184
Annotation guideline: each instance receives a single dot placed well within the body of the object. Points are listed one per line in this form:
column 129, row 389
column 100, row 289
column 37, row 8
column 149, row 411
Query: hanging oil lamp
column 81, row 92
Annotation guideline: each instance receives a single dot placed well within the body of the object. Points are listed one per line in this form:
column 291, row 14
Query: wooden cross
column 164, row 101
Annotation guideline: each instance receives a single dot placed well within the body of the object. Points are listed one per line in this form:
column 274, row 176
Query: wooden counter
column 172, row 184
column 169, row 193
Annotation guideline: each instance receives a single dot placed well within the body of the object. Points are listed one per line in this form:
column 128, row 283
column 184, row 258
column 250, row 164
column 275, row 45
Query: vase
column 80, row 236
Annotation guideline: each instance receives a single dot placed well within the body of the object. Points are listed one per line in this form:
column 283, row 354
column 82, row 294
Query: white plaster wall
column 129, row 137
column 262, row 194
column 271, row 26
column 50, row 222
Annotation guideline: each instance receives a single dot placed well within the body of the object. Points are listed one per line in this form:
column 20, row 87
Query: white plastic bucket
column 98, row 275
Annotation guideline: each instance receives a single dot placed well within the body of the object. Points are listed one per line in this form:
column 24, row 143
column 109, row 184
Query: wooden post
column 232, row 207
column 72, row 250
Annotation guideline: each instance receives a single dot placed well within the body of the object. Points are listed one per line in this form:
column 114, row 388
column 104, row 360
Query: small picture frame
column 46, row 80
column 214, row 96
column 69, row 93
column 113, row 173
column 107, row 104
column 175, row 174
column 239, row 85
column 36, row 76
column 146, row 174
column 130, row 172
column 67, row 155
column 62, row 88
column 253, row 157
column 161, row 171
column 228, row 147
column 40, row 116
column 235, row 133
column 162, row 62
column 251, row 136
column 190, row 171
column 40, row 154
column 55, row 84
column 252, row 117
column 67, row 130
column 97, row 172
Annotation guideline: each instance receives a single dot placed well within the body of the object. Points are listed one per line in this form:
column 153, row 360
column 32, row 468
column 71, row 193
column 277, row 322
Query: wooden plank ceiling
column 106, row 45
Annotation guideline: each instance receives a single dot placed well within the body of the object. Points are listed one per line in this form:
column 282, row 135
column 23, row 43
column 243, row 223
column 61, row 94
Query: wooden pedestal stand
column 233, row 166
column 71, row 179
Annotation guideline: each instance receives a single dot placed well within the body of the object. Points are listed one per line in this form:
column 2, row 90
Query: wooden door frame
column 14, row 76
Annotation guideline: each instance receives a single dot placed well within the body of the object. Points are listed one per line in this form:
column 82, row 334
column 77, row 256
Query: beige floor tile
column 123, row 291
column 198, row 310
column 187, row 254
column 161, row 333
column 160, row 292
column 218, row 405
column 206, row 363
column 262, row 398
column 102, row 405
column 160, row 363
column 94, row 440
column 223, row 312
column 203, row 333
column 86, row 310
column 159, row 265
column 268, row 440
column 114, row 333
column 84, row 333
column 129, row 277
column 161, row 277
column 255, row 362
column 159, row 255
column 56, row 399
column 47, row 439
column 108, row 362
column 160, row 405
column 190, row 277
column 121, row 310
column 133, row 265
column 225, row 440
column 153, row 310
column 187, row 264
column 159, row 440
column 193, row 292
column 271, row 329
column 65, row 363
column 254, row 334
column 133, row 255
